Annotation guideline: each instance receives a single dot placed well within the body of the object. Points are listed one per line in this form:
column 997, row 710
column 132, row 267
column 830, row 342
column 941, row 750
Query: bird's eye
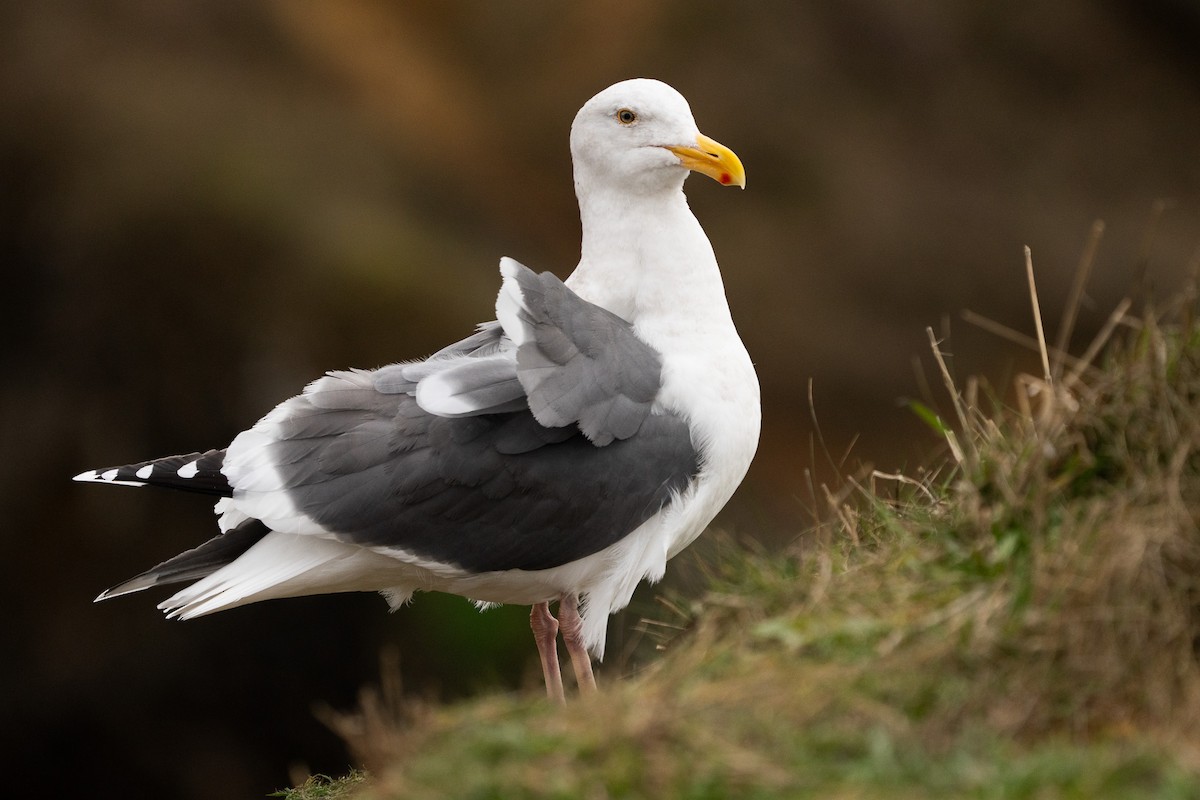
column 626, row 116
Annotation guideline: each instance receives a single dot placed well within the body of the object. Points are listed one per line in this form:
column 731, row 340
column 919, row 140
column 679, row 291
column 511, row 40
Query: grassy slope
column 1022, row 624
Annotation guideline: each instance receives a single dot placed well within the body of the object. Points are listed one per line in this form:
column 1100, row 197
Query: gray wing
column 567, row 360
column 578, row 362
column 571, row 464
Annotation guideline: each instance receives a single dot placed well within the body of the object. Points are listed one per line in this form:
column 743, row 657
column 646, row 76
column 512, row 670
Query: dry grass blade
column 1110, row 325
column 1037, row 316
column 1075, row 298
column 959, row 410
column 900, row 478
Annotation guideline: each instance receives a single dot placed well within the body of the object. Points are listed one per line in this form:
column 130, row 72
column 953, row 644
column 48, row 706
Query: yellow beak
column 713, row 159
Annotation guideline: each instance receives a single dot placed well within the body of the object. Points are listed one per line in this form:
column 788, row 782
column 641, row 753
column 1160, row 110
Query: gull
column 563, row 453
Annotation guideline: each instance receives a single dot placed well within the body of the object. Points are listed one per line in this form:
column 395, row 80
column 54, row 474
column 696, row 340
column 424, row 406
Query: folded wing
column 527, row 446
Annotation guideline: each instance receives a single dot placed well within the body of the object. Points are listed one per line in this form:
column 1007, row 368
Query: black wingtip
column 193, row 472
column 195, row 563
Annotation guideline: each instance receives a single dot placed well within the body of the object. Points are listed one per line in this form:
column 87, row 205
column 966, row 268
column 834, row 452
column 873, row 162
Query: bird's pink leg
column 572, row 633
column 545, row 633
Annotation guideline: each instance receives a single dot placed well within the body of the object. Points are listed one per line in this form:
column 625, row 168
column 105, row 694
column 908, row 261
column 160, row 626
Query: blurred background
column 203, row 206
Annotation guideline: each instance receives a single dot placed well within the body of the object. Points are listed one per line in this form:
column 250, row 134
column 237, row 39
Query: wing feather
column 491, row 455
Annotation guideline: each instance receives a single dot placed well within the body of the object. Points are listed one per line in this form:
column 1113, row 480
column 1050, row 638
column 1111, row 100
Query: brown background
column 203, row 206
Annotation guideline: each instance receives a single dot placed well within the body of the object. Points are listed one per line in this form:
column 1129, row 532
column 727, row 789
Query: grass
column 1021, row 623
column 323, row 787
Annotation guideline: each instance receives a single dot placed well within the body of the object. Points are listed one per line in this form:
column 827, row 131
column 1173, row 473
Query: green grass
column 323, row 787
column 1021, row 623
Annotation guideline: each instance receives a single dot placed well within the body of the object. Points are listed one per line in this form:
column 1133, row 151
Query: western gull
column 564, row 452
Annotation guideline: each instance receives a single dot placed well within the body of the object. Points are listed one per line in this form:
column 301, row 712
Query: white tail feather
column 289, row 565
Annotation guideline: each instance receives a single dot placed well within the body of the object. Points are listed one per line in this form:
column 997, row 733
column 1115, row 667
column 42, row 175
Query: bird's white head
column 639, row 137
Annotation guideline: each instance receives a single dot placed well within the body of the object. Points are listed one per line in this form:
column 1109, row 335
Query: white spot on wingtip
column 145, row 471
column 189, row 470
column 108, row 476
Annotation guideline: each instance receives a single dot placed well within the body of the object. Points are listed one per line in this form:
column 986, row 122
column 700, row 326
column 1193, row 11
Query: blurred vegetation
column 1019, row 624
column 205, row 205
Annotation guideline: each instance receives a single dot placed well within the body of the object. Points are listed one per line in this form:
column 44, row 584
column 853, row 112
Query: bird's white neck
column 644, row 255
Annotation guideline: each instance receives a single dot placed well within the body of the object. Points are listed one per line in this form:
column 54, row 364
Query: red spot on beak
column 725, row 178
